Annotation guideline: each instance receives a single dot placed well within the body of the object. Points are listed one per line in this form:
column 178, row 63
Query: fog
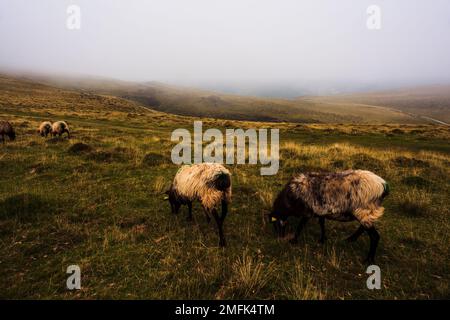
column 267, row 47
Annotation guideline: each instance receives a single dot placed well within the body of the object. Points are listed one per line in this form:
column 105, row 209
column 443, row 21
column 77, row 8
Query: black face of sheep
column 281, row 211
column 175, row 204
column 279, row 224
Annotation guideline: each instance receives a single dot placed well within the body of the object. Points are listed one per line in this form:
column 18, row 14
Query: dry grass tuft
column 249, row 276
column 415, row 202
column 301, row 285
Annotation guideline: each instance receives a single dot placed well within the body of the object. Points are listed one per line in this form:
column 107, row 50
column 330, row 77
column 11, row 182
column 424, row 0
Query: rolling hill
column 195, row 102
column 430, row 102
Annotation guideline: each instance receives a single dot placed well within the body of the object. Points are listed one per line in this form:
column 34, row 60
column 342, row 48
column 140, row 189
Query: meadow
column 97, row 201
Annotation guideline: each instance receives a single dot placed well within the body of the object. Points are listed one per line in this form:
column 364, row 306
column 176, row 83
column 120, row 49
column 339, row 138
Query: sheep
column 210, row 183
column 59, row 127
column 342, row 196
column 6, row 129
column 45, row 128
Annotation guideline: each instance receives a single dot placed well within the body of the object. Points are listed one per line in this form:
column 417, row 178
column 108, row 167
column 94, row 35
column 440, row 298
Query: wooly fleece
column 45, row 127
column 202, row 181
column 340, row 195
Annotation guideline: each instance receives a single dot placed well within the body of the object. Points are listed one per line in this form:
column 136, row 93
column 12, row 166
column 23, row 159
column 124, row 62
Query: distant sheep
column 45, row 128
column 343, row 196
column 6, row 129
column 59, row 127
column 207, row 182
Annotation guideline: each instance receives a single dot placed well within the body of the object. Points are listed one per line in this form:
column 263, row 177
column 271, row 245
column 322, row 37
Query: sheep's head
column 280, row 212
column 173, row 200
column 279, row 223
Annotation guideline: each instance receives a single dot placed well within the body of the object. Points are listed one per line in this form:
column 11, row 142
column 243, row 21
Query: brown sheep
column 59, row 127
column 6, row 129
column 341, row 196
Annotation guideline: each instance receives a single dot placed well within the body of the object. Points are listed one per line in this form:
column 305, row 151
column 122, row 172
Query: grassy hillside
column 99, row 205
column 428, row 102
column 194, row 102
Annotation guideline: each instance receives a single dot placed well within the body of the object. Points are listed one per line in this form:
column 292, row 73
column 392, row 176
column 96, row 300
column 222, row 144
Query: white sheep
column 59, row 127
column 342, row 196
column 209, row 183
column 45, row 128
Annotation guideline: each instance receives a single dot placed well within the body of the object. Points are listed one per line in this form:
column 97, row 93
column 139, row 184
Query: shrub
column 250, row 275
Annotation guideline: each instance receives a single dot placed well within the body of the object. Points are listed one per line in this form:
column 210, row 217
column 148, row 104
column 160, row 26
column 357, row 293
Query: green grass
column 102, row 208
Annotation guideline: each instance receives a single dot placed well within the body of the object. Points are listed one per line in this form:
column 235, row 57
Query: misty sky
column 231, row 43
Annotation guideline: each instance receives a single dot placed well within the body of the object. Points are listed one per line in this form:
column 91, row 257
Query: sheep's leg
column 68, row 134
column 224, row 210
column 3, row 139
column 208, row 218
column 356, row 235
column 189, row 204
column 299, row 229
column 219, row 222
column 177, row 208
column 323, row 237
column 374, row 238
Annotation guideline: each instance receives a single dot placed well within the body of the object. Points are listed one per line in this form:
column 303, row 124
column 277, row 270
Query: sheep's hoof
column 322, row 240
column 189, row 218
column 208, row 219
column 222, row 243
column 293, row 241
column 351, row 239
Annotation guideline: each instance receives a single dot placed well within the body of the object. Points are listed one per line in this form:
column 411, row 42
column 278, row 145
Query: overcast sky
column 320, row 43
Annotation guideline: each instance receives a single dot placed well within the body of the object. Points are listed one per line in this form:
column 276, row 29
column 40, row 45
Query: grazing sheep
column 6, row 129
column 342, row 196
column 59, row 127
column 210, row 183
column 45, row 128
